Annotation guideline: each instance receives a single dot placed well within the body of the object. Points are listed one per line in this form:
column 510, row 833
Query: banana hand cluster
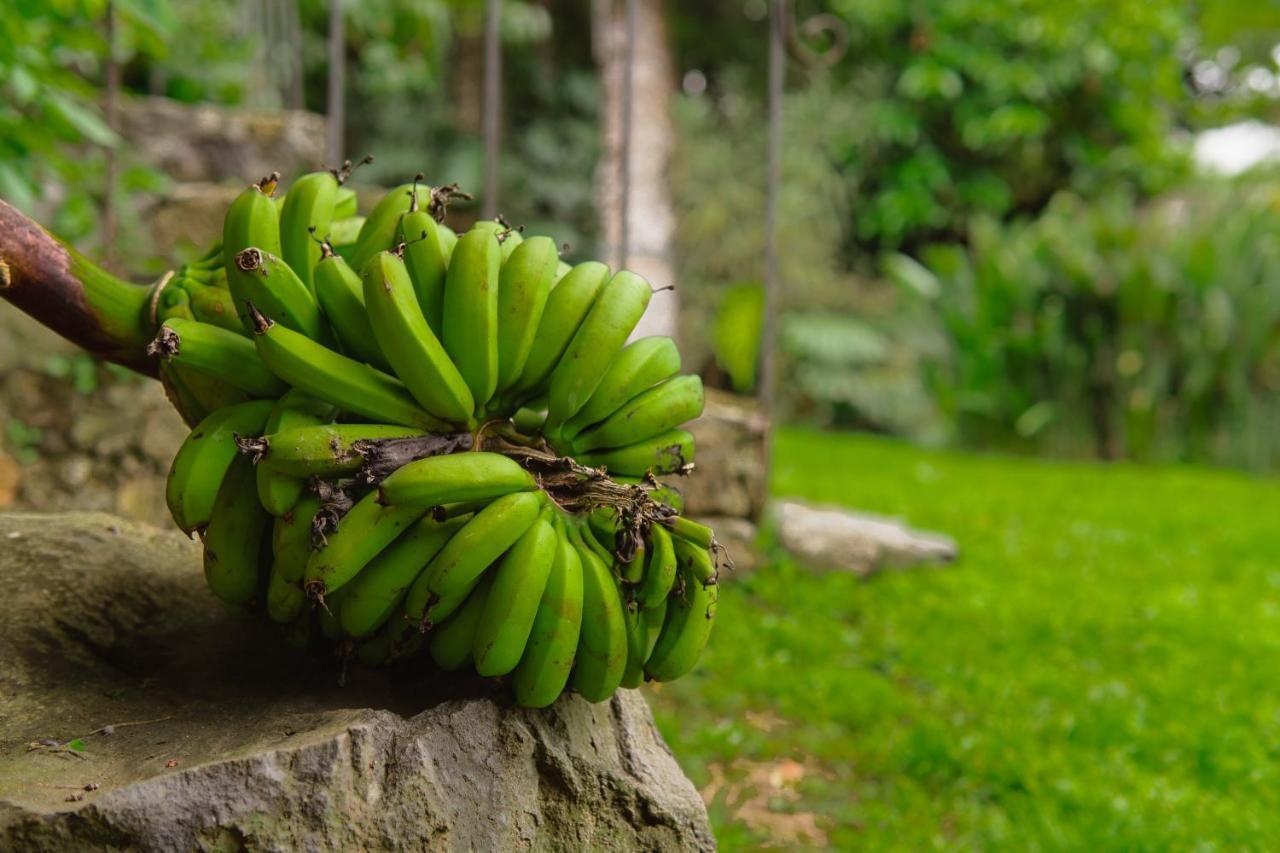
column 411, row 441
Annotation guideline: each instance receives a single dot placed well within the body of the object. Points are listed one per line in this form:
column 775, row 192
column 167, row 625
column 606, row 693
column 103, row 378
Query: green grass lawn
column 1100, row 670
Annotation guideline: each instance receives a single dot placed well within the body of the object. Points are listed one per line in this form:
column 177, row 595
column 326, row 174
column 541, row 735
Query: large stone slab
column 729, row 480
column 135, row 715
column 828, row 537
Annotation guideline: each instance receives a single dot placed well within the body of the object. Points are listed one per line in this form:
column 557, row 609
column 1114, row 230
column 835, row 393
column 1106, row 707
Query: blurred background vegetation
column 994, row 231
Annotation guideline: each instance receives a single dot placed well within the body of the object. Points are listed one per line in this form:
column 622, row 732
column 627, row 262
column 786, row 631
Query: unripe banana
column 343, row 235
column 664, row 493
column 637, row 648
column 512, row 603
column 597, row 341
column 271, row 286
column 660, row 570
column 653, row 412
column 567, row 306
column 696, row 560
column 523, row 289
column 691, row 531
column 685, row 630
column 602, row 646
column 304, row 221
column 528, row 420
column 439, row 480
column 663, row 454
column 218, row 352
column 345, row 203
column 377, row 592
column 408, row 342
column 234, row 538
column 212, row 303
column 341, row 296
column 509, row 239
column 354, row 387
column 482, row 540
column 181, row 397
column 640, row 365
column 321, row 450
column 378, row 234
column 452, row 642
column 363, row 532
column 562, row 270
column 285, row 600
column 471, row 311
column 290, row 550
column 251, row 220
column 202, row 461
column 427, row 262
column 278, row 491
column 548, row 657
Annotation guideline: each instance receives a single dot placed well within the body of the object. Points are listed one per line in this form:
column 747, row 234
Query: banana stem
column 71, row 295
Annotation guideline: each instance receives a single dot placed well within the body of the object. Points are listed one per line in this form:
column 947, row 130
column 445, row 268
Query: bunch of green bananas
column 407, row 440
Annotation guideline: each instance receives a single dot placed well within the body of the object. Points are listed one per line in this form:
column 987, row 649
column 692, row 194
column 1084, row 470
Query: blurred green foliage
column 735, row 334
column 1117, row 330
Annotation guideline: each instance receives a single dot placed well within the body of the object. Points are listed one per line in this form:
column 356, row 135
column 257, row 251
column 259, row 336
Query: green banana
column 453, row 641
column 512, row 602
column 696, row 560
column 325, row 450
column 290, row 549
column 202, row 461
column 597, row 341
column 345, row 203
column 334, row 378
column 524, row 286
column 691, row 531
column 278, row 491
column 638, row 367
column 427, row 262
column 252, row 220
column 653, row 412
column 212, row 304
column 378, row 234
column 663, row 454
column 234, row 537
column 304, row 221
column 180, row 395
column 341, row 296
column 218, row 352
column 376, row 593
column 562, row 270
column 548, row 657
column 482, row 540
column 637, row 648
column 685, row 630
column 470, row 313
column 455, row 477
column 408, row 342
column 602, row 647
column 660, row 570
column 343, row 235
column 567, row 306
column 270, row 286
column 363, row 532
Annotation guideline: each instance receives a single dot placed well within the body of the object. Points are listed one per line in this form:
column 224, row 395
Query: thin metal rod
column 336, row 108
column 111, row 112
column 772, row 283
column 492, row 103
column 626, row 105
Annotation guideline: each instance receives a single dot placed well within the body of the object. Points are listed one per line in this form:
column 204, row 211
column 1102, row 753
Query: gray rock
column 833, row 538
column 222, row 738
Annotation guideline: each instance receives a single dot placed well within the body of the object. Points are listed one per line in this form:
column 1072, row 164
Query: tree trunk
column 646, row 141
